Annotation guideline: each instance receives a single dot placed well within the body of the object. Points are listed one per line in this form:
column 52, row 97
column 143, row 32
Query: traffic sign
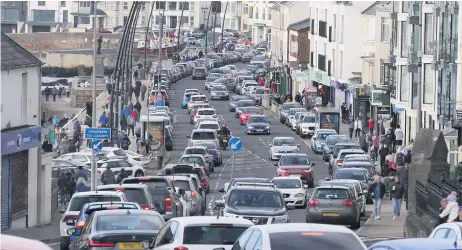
column 97, row 145
column 235, row 144
column 97, row 133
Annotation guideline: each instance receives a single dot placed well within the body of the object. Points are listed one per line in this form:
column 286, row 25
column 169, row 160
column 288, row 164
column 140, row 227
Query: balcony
column 322, row 62
column 323, row 29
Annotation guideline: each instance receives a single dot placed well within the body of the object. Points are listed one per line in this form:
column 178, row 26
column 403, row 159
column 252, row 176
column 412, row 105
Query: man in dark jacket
column 377, row 191
column 138, row 107
column 80, row 173
column 62, row 185
column 363, row 142
column 403, row 175
column 122, row 175
column 107, row 177
column 383, row 152
column 125, row 142
column 397, row 194
column 200, row 54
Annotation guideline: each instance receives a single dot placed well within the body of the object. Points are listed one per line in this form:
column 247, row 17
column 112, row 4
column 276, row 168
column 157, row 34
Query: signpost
column 97, row 135
column 235, row 144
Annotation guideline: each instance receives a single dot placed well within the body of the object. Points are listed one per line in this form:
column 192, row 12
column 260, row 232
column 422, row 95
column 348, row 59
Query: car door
column 253, row 239
column 242, row 241
column 166, row 236
column 196, row 185
column 360, row 194
column 440, row 233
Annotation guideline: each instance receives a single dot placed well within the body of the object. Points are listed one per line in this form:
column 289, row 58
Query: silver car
column 282, row 145
column 219, row 92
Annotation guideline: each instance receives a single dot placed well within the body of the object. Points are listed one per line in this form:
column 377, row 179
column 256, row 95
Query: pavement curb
column 366, row 225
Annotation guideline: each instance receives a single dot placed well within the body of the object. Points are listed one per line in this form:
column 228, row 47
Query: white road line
column 264, row 144
column 211, row 205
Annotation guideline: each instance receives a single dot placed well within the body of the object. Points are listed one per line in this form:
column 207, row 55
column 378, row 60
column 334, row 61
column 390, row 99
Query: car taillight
column 93, row 243
column 168, row 204
column 193, row 193
column 313, row 203
column 197, row 116
column 190, row 143
column 145, row 207
column 181, row 248
column 307, row 170
column 348, row 203
column 217, row 153
column 339, row 161
column 280, row 170
column 214, row 116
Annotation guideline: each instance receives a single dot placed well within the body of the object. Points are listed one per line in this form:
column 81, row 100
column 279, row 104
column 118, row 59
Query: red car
column 245, row 113
column 294, row 164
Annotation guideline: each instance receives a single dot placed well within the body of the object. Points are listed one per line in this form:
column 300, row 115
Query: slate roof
column 15, row 56
column 303, row 24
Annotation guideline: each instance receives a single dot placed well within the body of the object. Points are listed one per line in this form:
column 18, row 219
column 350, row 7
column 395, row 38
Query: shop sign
column 383, row 110
column 21, row 139
column 377, row 97
column 320, row 77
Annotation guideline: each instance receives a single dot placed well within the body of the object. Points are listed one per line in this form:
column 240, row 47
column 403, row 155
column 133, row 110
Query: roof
column 305, row 227
column 91, row 193
column 211, row 219
column 99, row 12
column 358, row 163
column 300, row 25
column 127, row 211
column 15, row 56
column 113, row 186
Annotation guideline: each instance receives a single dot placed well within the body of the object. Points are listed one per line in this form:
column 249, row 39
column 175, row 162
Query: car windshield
column 284, row 142
column 323, row 136
column 237, row 98
column 287, row 106
column 245, row 104
column 203, row 136
column 128, row 222
column 318, row 241
column 206, row 112
column 350, row 174
column 212, row 235
column 251, row 84
column 211, row 79
column 181, row 184
column 337, row 148
column 358, row 158
column 194, row 151
column 254, row 198
column 192, row 160
column 199, row 70
column 288, row 160
column 309, row 119
column 287, row 183
column 198, row 98
column 293, row 111
column 331, row 193
column 260, row 91
column 136, row 195
column 251, row 111
column 219, row 88
column 209, row 126
column 336, row 139
column 257, row 119
column 117, row 152
column 78, row 202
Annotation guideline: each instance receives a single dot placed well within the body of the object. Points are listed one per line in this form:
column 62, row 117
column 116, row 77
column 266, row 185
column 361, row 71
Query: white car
column 75, row 205
column 451, row 230
column 137, row 159
column 307, row 125
column 116, row 166
column 209, row 125
column 205, row 119
column 282, row 145
column 191, row 92
column 154, row 109
column 325, row 132
column 292, row 189
column 205, row 113
column 106, row 153
column 195, row 99
column 202, row 136
column 246, row 86
column 216, row 232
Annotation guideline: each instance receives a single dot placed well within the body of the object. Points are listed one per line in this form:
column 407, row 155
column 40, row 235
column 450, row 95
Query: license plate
column 259, row 130
column 225, row 140
column 296, row 175
column 130, row 245
column 331, row 214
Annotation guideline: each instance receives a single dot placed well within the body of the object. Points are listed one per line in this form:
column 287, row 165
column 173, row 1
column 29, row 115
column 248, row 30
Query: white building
column 25, row 183
column 259, row 19
column 48, row 16
column 233, row 15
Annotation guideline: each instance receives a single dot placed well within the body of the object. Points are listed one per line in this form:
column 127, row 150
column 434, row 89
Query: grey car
column 285, row 109
column 334, row 205
column 282, row 145
column 219, row 92
column 257, row 124
column 329, row 144
column 199, row 73
column 242, row 104
column 234, row 100
column 230, row 83
column 360, row 174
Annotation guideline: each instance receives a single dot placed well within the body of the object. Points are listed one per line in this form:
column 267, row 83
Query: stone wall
column 44, row 41
column 80, row 96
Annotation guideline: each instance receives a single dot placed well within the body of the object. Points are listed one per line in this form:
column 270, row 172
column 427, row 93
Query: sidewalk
column 47, row 233
column 386, row 227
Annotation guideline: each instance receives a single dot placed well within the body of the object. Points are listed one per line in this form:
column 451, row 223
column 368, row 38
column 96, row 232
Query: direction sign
column 97, row 133
column 235, row 144
column 97, row 145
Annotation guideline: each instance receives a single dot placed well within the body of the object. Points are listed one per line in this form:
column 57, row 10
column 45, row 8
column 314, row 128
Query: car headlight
column 299, row 195
column 275, row 151
column 249, row 127
column 296, row 150
column 267, row 127
column 281, row 219
column 230, row 215
column 213, row 93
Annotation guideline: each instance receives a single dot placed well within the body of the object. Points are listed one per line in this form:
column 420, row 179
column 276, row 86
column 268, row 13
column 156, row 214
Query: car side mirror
column 270, row 145
column 70, row 231
column 219, row 248
column 305, row 186
column 221, row 190
column 275, row 164
column 313, row 164
column 62, row 211
column 188, row 136
column 298, row 145
column 181, row 191
column 219, row 203
column 327, row 179
column 314, row 138
column 70, row 222
column 290, row 206
column 146, row 244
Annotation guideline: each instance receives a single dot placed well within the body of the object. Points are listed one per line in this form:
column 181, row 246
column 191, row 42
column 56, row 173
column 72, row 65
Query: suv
column 138, row 193
column 290, row 119
column 360, row 174
column 201, row 150
column 199, row 73
column 285, row 109
column 117, row 165
column 199, row 136
column 261, row 205
column 198, row 159
column 192, row 190
column 307, row 125
column 76, row 203
column 296, row 165
column 205, row 113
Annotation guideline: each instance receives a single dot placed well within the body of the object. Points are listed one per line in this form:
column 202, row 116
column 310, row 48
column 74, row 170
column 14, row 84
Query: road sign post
column 97, row 135
column 235, row 144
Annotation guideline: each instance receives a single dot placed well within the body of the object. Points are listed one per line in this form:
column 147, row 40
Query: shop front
column 301, row 81
column 321, row 80
column 361, row 104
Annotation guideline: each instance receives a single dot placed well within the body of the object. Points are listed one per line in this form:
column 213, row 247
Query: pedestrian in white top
column 452, row 208
column 399, row 136
column 358, row 127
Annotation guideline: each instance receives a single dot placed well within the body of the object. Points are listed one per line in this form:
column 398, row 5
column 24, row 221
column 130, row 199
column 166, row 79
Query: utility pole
column 207, row 28
column 93, row 79
column 146, row 37
column 214, row 24
column 222, row 45
column 179, row 30
column 161, row 34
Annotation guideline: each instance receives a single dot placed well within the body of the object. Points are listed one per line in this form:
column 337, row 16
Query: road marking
column 264, row 144
column 211, row 205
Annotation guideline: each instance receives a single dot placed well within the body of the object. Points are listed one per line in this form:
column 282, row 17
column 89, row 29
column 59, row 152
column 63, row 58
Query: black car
column 117, row 229
column 330, row 142
column 257, row 124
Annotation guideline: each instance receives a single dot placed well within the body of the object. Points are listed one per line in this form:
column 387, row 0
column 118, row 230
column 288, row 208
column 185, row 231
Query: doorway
column 76, row 21
column 65, row 16
column 173, row 22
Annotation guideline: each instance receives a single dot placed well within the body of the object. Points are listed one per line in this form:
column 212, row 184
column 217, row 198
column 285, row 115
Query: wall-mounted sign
column 21, row 139
column 376, row 97
column 383, row 110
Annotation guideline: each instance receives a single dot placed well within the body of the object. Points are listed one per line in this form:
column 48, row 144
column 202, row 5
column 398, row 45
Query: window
column 43, row 15
column 158, row 20
column 41, row 3
column 184, row 21
column 341, row 64
column 172, row 5
column 384, row 30
column 232, row 7
column 240, row 244
column 125, row 5
column 62, row 3
column 263, row 14
column 428, row 48
column 251, row 13
column 451, row 235
column 404, row 84
column 404, row 39
column 405, row 6
column 111, row 6
column 246, row 8
column 184, row 5
column 125, row 20
column 85, row 4
column 440, row 234
column 244, row 26
column 429, row 83
column 333, row 63
column 142, row 21
column 10, row 14
column 341, row 28
column 334, row 27
column 161, row 5
column 269, row 15
column 191, row 6
column 256, row 13
column 253, row 239
column 191, row 21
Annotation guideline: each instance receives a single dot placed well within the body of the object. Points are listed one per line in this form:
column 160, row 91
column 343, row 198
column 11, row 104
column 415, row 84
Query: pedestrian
column 130, row 92
column 123, row 123
column 138, row 108
column 403, row 175
column 71, row 186
column 383, row 152
column 62, row 186
column 109, row 88
column 76, row 140
column 343, row 110
column 54, row 92
column 47, row 93
column 81, row 185
column 122, row 175
column 351, row 127
column 125, row 142
column 76, row 126
column 451, row 208
column 127, row 111
column 131, row 122
column 60, row 92
column 137, row 92
column 377, row 191
column 358, row 127
column 55, row 120
column 160, row 156
column 103, row 119
column 397, row 194
column 143, row 92
column 200, row 54
column 89, row 108
column 142, row 148
column 408, row 157
column 68, row 92
column 399, row 136
column 138, row 132
column 80, row 173
column 371, row 125
column 399, row 159
column 363, row 142
column 64, row 145
column 107, row 177
column 376, row 143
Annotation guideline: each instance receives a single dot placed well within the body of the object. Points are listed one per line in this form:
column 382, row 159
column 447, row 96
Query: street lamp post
column 223, row 27
column 179, row 30
column 93, row 118
column 207, row 27
column 204, row 9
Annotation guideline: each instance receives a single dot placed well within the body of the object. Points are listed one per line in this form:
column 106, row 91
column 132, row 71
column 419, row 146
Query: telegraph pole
column 214, row 24
column 146, row 38
column 207, row 28
column 93, row 79
column 223, row 27
column 179, row 30
column 161, row 34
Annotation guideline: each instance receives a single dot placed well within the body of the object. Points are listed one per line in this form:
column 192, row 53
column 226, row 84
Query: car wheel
column 64, row 245
column 139, row 173
column 363, row 213
column 356, row 224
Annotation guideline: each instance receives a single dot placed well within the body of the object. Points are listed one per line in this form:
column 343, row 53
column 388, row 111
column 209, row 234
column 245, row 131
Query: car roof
column 192, row 155
column 340, row 181
column 95, row 193
column 126, row 211
column 194, row 147
column 297, row 227
column 179, row 177
column 203, row 130
column 202, row 109
column 256, row 188
column 294, row 154
column 210, row 122
column 357, row 163
column 258, row 116
column 131, row 186
column 198, row 96
column 350, row 150
column 331, row 186
column 350, row 169
column 201, row 220
column 283, row 138
column 419, row 243
column 249, row 179
column 325, row 130
column 287, row 178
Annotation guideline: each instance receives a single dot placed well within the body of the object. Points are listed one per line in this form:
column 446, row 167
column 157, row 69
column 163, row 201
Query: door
column 100, row 22
column 65, row 16
column 6, row 191
column 76, row 21
column 173, row 22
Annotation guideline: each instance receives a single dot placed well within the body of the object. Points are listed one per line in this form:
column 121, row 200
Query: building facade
column 233, row 14
column 258, row 21
column 25, row 183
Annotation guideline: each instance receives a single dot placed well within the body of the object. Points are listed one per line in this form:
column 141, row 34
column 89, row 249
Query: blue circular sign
column 235, row 144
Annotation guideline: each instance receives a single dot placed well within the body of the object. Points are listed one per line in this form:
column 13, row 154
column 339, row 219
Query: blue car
column 215, row 153
column 89, row 208
column 320, row 141
column 184, row 102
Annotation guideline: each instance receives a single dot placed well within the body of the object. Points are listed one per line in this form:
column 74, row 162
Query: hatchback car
column 292, row 189
column 199, row 73
column 290, row 120
column 281, row 146
column 138, row 193
column 234, row 100
column 215, row 152
column 329, row 144
column 219, row 93
column 319, row 139
column 199, row 136
column 192, row 191
column 335, row 164
column 246, row 112
column 198, row 150
column 257, row 124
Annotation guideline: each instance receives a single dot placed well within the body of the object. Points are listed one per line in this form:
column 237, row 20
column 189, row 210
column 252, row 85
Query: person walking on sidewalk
column 125, row 143
column 363, row 142
column 371, row 125
column 358, row 127
column 108, row 176
column 399, row 136
column 131, row 122
column 160, row 156
column 351, row 127
column 397, row 194
column 143, row 92
column 377, row 191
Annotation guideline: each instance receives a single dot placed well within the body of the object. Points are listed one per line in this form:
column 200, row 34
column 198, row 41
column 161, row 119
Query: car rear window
column 206, row 112
column 78, row 202
column 340, row 147
column 192, row 160
column 219, row 88
column 182, row 184
column 151, row 183
column 199, row 70
column 331, row 193
column 135, row 195
column 128, row 222
column 342, row 156
column 193, row 151
column 212, row 235
column 245, row 104
column 350, row 174
column 209, row 126
column 316, row 240
column 119, row 152
column 203, row 136
column 309, row 119
column 198, row 98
